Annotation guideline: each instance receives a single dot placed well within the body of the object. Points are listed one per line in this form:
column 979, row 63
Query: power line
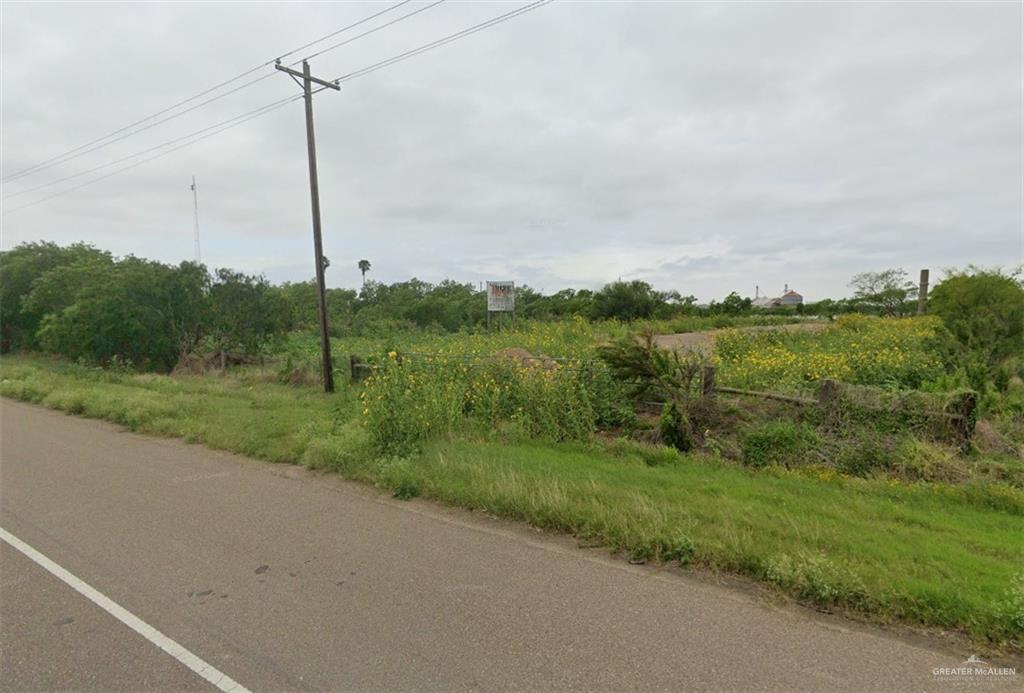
column 444, row 41
column 147, row 151
column 262, row 112
column 89, row 146
column 367, row 33
column 335, row 33
column 126, row 135
column 238, row 120
column 61, row 158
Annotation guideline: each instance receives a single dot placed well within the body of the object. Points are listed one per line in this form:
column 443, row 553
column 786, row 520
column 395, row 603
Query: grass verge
column 935, row 555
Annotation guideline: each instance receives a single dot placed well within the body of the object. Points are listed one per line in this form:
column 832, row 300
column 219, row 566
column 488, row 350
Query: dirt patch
column 704, row 341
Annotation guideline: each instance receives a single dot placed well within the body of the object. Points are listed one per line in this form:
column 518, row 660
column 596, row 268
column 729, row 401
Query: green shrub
column 625, row 301
column 651, row 370
column 1012, row 608
column 406, row 488
column 818, row 579
column 675, row 428
column 677, row 548
column 609, row 398
column 918, row 460
column 862, row 456
column 984, row 310
column 779, row 443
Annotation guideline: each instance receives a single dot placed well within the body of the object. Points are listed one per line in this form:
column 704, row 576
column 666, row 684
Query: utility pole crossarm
column 302, row 76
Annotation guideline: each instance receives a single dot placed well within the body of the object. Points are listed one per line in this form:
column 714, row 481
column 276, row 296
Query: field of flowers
column 427, row 385
column 891, row 353
column 570, row 339
column 411, row 399
column 545, row 380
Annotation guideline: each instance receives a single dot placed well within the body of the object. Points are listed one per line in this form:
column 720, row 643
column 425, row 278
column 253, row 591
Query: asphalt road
column 288, row 580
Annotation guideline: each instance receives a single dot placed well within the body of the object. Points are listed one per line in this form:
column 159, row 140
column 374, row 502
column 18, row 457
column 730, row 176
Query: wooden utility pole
column 306, row 83
column 922, row 293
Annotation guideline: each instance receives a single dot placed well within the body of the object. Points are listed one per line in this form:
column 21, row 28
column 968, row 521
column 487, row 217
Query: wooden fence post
column 828, row 391
column 963, row 419
column 922, row 293
column 708, row 382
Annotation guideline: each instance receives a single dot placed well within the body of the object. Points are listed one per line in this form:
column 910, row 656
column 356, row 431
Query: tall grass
column 246, row 415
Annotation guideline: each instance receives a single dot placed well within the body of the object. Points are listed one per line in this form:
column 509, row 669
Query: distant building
column 789, row 298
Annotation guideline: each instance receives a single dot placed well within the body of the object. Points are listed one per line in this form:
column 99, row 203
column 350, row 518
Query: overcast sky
column 701, row 147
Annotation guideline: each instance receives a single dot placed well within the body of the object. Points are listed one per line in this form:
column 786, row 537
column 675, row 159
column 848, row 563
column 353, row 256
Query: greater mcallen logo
column 973, row 668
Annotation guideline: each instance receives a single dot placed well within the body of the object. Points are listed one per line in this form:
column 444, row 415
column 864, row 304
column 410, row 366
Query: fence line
column 361, row 369
column 767, row 395
column 476, row 357
column 962, row 416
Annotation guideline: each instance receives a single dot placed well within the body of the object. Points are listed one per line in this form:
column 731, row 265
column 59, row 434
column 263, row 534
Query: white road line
column 207, row 671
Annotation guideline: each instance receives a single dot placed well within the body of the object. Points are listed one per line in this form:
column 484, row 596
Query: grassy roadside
column 940, row 556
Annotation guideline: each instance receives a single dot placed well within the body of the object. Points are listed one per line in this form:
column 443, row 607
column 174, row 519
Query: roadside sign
column 501, row 297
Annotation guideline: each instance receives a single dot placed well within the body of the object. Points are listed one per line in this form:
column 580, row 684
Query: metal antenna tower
column 195, row 212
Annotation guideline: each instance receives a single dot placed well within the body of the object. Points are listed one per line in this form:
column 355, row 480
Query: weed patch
column 863, row 456
column 779, row 443
column 817, row 578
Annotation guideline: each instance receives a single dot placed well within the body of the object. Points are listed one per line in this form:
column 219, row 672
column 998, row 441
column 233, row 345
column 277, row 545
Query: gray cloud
column 703, row 147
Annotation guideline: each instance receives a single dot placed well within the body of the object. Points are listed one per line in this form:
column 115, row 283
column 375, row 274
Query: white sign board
column 501, row 297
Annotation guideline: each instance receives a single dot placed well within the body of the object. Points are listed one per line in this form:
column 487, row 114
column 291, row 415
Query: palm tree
column 364, row 267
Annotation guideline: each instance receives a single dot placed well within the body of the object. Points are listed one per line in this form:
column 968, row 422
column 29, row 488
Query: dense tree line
column 82, row 303
column 85, row 304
